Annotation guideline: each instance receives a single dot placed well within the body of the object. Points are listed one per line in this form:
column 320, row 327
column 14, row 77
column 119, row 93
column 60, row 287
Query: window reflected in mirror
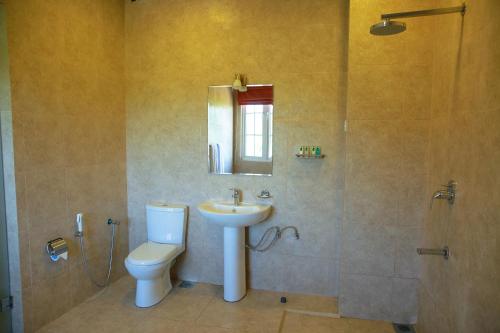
column 257, row 132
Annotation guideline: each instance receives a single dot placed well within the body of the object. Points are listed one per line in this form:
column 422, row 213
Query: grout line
column 204, row 308
column 282, row 321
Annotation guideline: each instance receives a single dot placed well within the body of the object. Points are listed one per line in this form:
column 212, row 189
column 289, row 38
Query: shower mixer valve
column 448, row 193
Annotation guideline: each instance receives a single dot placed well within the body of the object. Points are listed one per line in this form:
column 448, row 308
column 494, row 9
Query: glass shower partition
column 5, row 300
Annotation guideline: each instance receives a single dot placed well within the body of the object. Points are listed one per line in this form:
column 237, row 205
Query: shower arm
column 427, row 12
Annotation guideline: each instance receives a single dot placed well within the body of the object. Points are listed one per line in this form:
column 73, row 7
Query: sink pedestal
column 234, row 219
column 234, row 264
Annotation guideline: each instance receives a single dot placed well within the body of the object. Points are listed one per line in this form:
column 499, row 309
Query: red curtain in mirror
column 262, row 95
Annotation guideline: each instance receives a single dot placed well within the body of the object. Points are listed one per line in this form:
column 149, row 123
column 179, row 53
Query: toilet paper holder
column 57, row 248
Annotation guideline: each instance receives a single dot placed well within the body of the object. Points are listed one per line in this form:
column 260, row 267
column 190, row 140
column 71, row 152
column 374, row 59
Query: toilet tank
column 166, row 223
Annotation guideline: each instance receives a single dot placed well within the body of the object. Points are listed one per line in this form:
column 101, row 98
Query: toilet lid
column 151, row 253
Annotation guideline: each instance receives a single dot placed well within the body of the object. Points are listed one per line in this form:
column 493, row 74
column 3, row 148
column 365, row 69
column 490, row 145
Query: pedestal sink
column 234, row 219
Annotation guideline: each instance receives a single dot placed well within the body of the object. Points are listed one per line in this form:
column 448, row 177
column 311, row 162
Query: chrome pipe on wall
column 445, row 252
column 426, row 12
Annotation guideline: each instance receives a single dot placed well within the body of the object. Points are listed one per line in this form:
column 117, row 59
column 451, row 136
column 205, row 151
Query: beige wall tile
column 68, row 110
column 369, row 249
column 369, row 199
column 407, row 263
column 365, row 296
column 303, row 56
column 404, row 300
column 27, row 309
column 45, row 291
column 460, row 295
column 262, row 264
column 43, row 136
column 390, row 89
column 45, row 196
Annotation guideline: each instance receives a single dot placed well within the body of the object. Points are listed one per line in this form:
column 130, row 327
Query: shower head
column 387, row 27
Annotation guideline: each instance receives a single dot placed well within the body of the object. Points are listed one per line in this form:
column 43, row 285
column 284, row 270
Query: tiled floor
column 201, row 309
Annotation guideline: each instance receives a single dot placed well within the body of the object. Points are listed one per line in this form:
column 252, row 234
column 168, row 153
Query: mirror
column 240, row 130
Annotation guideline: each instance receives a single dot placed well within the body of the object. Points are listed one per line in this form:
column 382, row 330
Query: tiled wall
column 174, row 51
column 462, row 294
column 69, row 143
column 388, row 104
column 66, row 68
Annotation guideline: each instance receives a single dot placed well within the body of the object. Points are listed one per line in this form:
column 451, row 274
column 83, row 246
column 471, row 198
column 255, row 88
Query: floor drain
column 187, row 284
column 403, row 328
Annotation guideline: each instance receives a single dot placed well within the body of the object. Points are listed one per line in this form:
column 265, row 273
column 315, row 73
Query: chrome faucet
column 448, row 193
column 236, row 196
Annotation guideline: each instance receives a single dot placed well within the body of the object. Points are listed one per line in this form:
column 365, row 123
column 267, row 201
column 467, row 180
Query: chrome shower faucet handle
column 448, row 193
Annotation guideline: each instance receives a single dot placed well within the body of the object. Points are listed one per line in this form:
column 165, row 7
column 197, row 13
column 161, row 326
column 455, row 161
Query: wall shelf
column 310, row 156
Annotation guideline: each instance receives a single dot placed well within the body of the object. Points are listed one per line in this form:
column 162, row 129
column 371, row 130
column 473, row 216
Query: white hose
column 110, row 262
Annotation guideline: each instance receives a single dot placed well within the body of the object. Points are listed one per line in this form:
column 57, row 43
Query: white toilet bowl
column 150, row 265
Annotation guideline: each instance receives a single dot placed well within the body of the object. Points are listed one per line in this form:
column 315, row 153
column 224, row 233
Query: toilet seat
column 152, row 253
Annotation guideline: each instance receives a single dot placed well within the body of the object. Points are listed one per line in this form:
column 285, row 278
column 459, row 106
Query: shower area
column 421, row 110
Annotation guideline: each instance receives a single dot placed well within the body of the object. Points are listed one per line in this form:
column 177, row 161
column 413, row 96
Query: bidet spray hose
column 110, row 260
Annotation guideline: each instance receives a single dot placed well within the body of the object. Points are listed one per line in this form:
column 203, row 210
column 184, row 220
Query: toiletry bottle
column 301, row 150
column 318, row 151
column 313, row 151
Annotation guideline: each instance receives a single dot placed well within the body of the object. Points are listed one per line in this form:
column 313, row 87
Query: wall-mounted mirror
column 240, row 130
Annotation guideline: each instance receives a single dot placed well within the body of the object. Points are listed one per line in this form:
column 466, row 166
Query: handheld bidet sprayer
column 79, row 224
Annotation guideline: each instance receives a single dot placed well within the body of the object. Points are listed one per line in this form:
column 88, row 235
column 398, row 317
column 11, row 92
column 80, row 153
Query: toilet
column 150, row 263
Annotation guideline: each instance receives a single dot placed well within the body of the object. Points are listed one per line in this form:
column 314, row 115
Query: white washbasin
column 227, row 214
column 234, row 219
